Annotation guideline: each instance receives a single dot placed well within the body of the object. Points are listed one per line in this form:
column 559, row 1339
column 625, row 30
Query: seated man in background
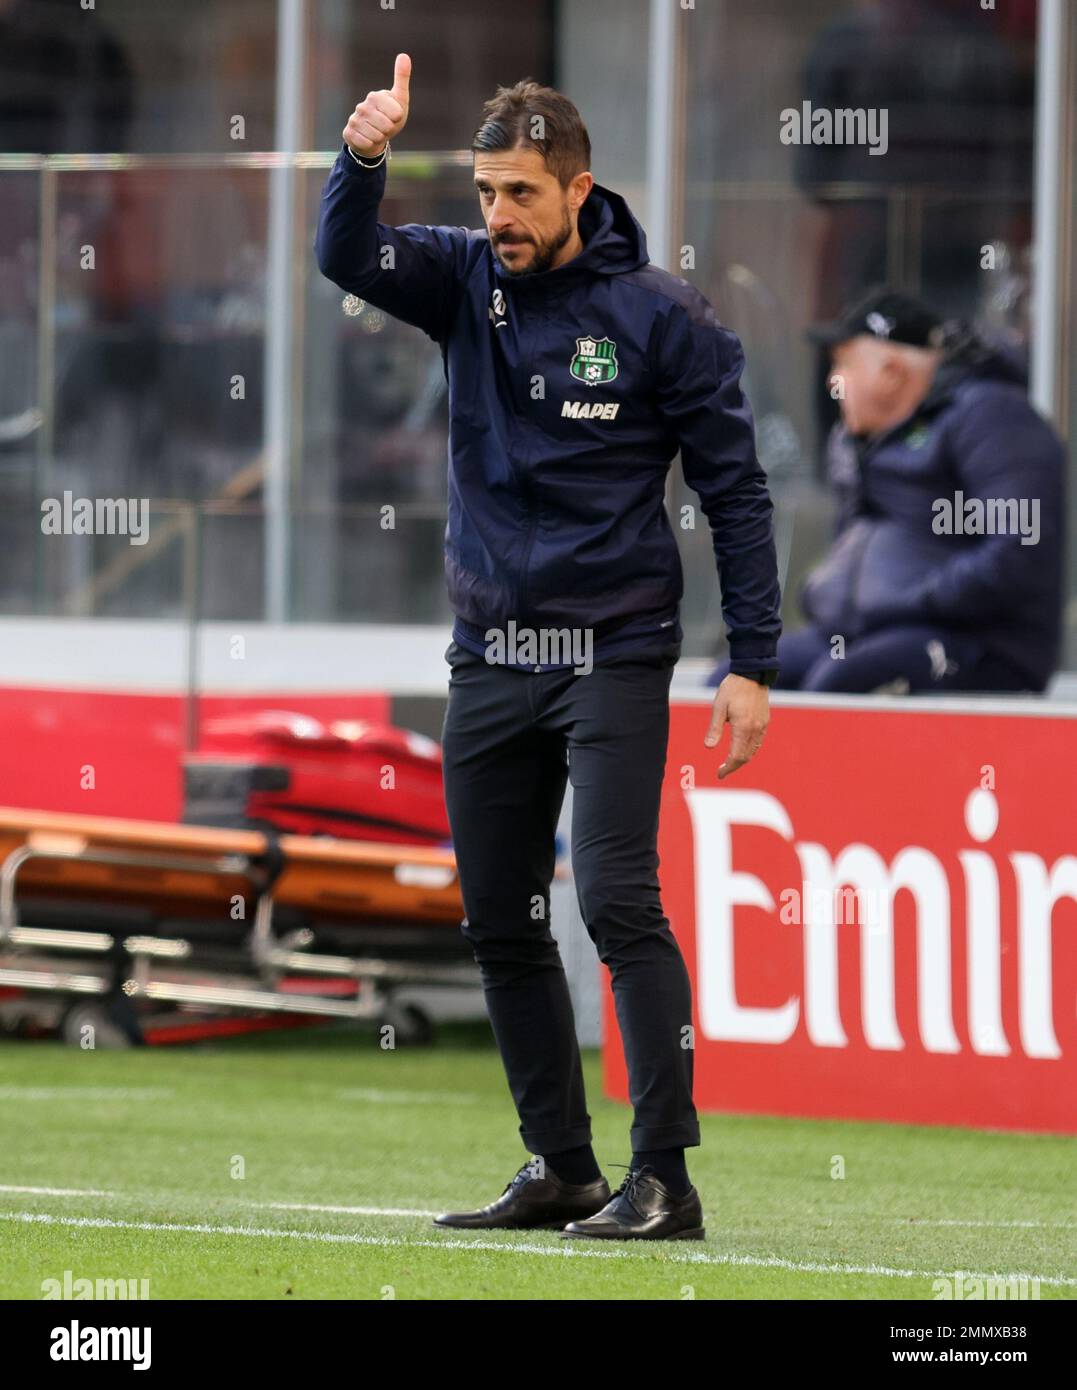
column 945, row 573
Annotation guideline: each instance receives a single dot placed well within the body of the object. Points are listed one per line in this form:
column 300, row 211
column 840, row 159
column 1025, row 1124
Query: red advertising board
column 131, row 743
column 879, row 914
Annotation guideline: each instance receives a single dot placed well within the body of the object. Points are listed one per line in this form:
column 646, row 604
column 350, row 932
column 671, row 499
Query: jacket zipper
column 532, row 525
column 521, row 588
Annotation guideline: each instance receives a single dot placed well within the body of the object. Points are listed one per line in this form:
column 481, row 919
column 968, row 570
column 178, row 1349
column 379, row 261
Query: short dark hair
column 509, row 121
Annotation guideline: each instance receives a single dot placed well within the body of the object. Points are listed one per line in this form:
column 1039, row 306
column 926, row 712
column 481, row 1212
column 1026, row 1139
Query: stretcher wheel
column 412, row 1025
column 114, row 1023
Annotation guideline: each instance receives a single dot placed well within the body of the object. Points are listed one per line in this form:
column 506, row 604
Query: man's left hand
column 745, row 704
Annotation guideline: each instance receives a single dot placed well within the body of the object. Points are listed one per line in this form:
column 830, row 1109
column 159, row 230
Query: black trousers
column 510, row 740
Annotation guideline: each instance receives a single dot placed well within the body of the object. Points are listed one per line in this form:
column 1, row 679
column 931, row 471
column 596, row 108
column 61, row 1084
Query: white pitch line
column 84, row 1092
column 270, row 1206
column 990, row 1225
column 59, row 1191
column 342, row 1210
column 382, row 1097
column 568, row 1250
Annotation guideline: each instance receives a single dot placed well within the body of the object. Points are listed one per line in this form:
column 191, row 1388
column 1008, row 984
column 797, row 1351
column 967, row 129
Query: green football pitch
column 308, row 1165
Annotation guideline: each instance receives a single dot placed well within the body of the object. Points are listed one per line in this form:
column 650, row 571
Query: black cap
column 885, row 314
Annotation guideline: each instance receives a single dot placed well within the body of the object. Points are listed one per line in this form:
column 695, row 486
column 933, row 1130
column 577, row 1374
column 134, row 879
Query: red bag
column 353, row 779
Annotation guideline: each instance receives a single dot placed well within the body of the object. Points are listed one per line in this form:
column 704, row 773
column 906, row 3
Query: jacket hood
column 614, row 242
column 967, row 355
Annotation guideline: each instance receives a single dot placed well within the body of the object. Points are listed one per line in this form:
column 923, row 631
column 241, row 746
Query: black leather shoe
column 642, row 1208
column 532, row 1202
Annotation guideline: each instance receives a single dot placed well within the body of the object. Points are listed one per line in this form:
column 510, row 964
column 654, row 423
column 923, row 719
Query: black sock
column 669, row 1165
column 577, row 1165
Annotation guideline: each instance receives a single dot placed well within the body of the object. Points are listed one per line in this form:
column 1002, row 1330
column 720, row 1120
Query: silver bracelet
column 380, row 159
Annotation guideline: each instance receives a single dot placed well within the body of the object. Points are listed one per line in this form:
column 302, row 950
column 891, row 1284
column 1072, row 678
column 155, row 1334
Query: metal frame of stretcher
column 87, row 859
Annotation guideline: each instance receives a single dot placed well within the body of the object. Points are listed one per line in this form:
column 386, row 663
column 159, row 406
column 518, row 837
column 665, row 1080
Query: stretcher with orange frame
column 116, row 920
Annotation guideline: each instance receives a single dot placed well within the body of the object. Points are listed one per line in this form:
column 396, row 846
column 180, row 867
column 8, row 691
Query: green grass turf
column 437, row 1131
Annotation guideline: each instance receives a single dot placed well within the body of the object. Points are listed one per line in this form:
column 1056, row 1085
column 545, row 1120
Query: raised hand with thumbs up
column 380, row 115
column 412, row 272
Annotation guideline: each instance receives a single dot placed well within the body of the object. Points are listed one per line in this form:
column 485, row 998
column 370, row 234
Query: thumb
column 401, row 78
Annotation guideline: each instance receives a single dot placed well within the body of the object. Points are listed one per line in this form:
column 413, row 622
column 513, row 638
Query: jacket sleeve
column 1003, row 451
column 699, row 366
column 412, row 272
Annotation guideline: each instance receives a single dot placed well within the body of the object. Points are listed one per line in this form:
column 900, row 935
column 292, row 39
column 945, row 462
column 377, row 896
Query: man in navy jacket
column 946, row 570
column 576, row 371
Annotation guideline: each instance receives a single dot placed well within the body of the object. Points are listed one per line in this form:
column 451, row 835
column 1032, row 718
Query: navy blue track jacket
column 570, row 392
column 975, row 438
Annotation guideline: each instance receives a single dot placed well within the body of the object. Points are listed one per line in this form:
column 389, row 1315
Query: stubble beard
column 545, row 251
